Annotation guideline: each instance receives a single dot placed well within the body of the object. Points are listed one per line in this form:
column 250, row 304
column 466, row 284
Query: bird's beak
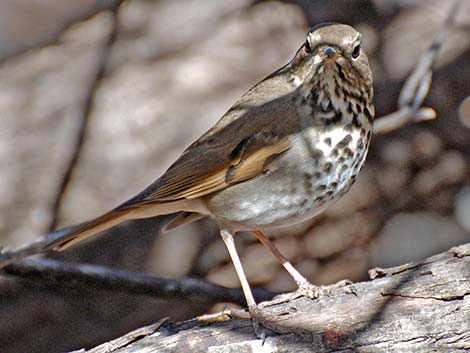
column 331, row 54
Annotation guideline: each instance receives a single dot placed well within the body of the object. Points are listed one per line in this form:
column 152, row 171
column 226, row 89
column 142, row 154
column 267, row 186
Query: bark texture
column 416, row 307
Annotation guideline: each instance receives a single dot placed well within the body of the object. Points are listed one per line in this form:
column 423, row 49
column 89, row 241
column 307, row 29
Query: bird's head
column 332, row 54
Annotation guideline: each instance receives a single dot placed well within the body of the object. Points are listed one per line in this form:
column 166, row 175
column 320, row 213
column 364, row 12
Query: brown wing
column 239, row 147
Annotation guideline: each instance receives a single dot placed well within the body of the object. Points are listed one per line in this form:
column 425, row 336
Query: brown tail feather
column 88, row 229
column 73, row 235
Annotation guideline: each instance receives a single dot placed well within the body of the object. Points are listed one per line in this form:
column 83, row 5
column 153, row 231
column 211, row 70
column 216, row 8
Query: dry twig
column 84, row 118
column 79, row 276
column 417, row 85
column 83, row 13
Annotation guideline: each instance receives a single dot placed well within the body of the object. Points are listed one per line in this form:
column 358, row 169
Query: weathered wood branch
column 417, row 307
column 79, row 276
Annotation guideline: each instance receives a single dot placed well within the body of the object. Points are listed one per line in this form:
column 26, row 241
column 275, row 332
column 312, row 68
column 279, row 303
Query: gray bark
column 416, row 307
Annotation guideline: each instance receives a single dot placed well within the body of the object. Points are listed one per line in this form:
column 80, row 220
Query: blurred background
column 98, row 98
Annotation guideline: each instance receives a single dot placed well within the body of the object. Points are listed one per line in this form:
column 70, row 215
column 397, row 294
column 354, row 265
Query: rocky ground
column 170, row 69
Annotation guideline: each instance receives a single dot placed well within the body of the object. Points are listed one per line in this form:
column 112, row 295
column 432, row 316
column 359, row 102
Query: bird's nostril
column 329, row 51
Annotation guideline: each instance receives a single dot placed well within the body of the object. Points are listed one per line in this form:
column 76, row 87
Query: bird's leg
column 254, row 310
column 305, row 287
column 230, row 244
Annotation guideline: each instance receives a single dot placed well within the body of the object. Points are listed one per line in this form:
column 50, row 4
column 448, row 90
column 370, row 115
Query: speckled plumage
column 285, row 151
column 331, row 122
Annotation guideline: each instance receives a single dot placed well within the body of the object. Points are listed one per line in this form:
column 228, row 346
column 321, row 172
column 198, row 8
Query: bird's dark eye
column 308, row 47
column 356, row 51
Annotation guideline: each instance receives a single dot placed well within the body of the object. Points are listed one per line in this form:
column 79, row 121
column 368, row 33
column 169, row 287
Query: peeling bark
column 417, row 307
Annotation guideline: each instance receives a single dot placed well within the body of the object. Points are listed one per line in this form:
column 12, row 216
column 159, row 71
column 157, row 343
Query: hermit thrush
column 290, row 147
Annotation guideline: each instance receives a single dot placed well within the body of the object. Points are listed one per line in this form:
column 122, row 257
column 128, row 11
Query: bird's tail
column 68, row 237
column 85, row 230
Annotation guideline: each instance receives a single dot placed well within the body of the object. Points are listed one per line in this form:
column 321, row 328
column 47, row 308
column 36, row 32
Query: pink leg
column 255, row 313
column 298, row 278
column 305, row 287
column 230, row 244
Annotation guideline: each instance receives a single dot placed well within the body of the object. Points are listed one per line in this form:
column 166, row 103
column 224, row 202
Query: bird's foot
column 306, row 289
column 235, row 313
column 259, row 320
column 342, row 287
column 263, row 322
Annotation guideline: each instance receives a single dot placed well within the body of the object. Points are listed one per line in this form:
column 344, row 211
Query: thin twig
column 79, row 276
column 82, row 13
column 84, row 118
column 8, row 257
column 417, row 85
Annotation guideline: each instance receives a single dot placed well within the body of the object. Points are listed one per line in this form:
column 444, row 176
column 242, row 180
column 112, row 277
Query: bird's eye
column 308, row 47
column 356, row 51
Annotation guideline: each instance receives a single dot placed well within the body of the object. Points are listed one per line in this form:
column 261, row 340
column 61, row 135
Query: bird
column 290, row 147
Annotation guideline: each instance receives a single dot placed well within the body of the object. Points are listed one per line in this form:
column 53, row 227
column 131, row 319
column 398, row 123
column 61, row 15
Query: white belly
column 313, row 174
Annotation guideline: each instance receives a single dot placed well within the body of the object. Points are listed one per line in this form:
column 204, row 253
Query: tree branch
column 417, row 307
column 66, row 20
column 84, row 118
column 417, row 85
column 34, row 248
column 79, row 276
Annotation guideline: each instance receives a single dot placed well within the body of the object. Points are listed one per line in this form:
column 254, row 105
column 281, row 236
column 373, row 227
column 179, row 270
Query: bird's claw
column 306, row 289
